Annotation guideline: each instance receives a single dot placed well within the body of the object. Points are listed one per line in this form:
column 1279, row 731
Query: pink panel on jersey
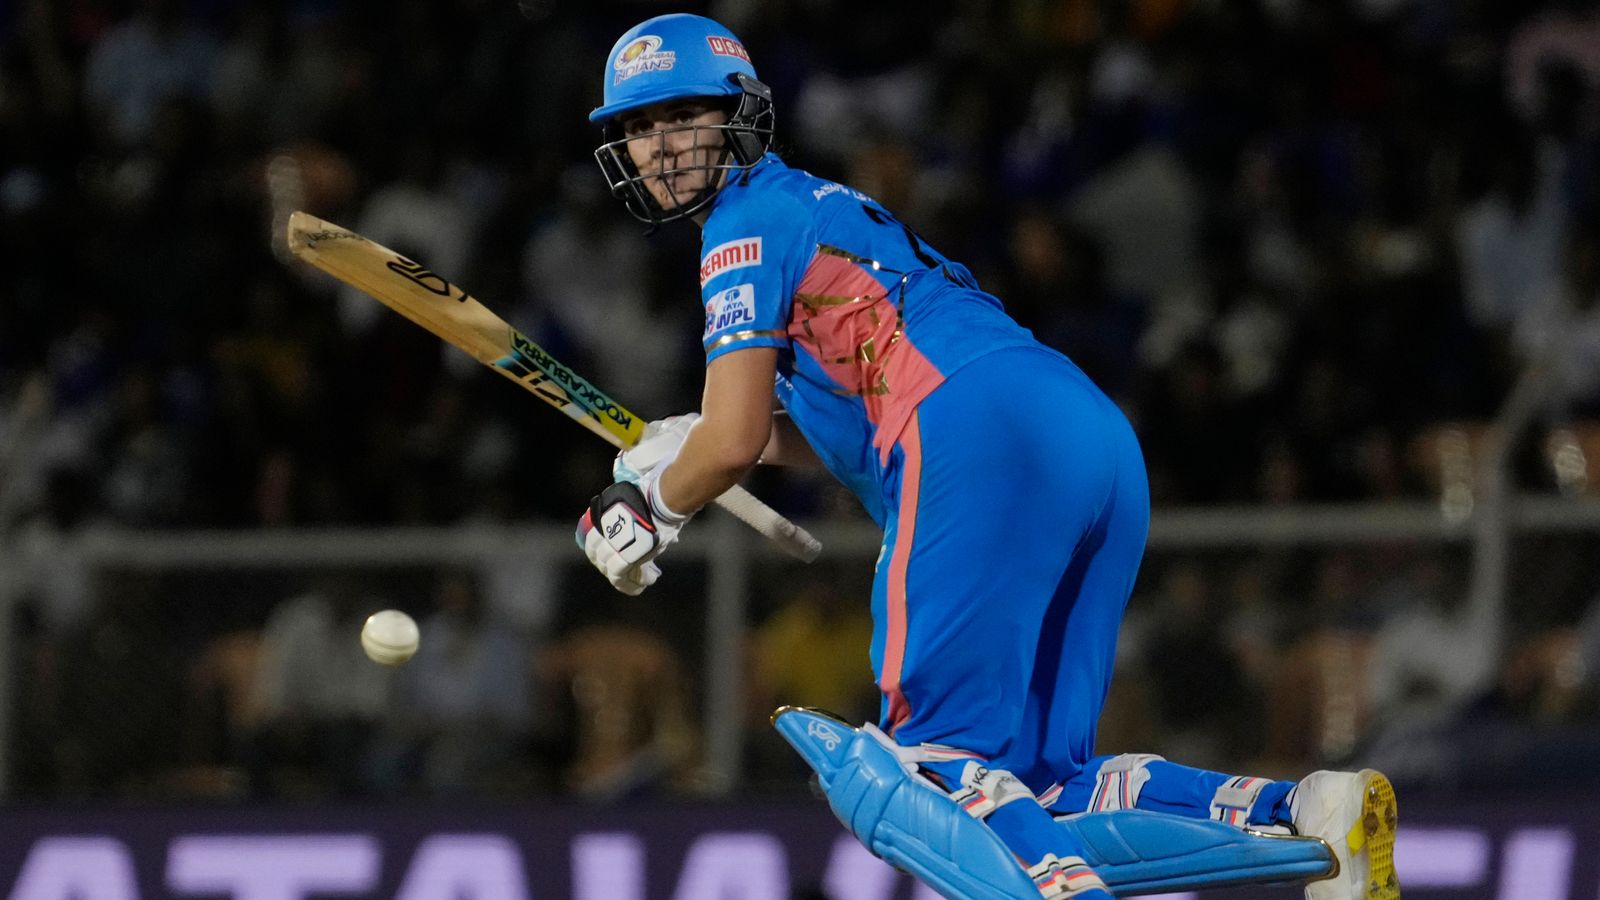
column 894, row 642
column 843, row 317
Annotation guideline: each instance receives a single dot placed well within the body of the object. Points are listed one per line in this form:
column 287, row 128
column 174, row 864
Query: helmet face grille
column 741, row 142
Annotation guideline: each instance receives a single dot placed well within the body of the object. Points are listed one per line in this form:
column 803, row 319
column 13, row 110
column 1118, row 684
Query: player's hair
column 744, row 139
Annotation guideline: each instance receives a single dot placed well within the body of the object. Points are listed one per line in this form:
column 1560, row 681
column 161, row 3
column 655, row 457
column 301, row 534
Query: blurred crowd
column 1290, row 238
column 1308, row 247
column 1267, row 662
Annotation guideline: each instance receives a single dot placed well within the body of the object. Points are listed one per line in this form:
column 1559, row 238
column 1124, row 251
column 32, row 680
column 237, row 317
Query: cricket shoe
column 1355, row 813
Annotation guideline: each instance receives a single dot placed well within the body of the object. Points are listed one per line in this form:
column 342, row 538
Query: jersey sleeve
column 752, row 260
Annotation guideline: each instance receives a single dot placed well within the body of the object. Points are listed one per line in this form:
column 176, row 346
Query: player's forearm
column 735, row 425
column 710, row 462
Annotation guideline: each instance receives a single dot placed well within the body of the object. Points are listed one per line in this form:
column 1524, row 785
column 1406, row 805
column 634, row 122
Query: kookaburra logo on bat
column 419, row 275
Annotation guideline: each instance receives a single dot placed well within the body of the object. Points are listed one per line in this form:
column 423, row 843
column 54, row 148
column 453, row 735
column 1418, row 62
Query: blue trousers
column 1022, row 508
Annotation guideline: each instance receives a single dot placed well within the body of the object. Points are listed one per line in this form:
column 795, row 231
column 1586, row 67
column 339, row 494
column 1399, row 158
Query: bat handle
column 794, row 540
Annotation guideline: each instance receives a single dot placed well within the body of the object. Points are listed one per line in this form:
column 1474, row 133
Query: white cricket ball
column 390, row 637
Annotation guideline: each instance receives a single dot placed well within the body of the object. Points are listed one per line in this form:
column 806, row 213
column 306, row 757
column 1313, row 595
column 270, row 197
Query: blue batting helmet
column 675, row 57
column 669, row 57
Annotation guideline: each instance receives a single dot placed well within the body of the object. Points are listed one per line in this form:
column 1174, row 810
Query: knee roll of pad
column 901, row 816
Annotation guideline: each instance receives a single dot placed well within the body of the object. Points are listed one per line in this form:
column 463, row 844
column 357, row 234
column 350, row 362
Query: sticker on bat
column 419, row 275
column 579, row 391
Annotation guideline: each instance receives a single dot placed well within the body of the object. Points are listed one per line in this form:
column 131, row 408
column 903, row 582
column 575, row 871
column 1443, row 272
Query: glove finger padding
column 636, row 578
column 627, row 578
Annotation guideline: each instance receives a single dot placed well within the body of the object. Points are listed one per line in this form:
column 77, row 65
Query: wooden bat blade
column 428, row 300
column 398, row 283
column 449, row 312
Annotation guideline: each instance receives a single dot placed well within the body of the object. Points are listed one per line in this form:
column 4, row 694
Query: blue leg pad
column 1141, row 852
column 907, row 822
column 915, row 826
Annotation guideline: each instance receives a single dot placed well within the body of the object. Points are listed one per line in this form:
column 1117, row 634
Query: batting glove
column 624, row 529
column 659, row 446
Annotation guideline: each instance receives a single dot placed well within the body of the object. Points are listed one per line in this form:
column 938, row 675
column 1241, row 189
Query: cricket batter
column 1011, row 491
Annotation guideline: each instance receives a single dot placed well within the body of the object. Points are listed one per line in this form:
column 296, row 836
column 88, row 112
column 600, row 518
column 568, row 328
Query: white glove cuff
column 658, row 506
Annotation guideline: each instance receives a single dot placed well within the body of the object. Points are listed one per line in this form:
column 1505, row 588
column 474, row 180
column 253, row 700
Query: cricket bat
column 455, row 316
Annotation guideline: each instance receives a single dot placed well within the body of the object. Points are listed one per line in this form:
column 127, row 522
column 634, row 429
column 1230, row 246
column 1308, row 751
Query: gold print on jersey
column 819, row 300
column 732, row 336
column 850, row 331
column 842, row 253
column 845, row 317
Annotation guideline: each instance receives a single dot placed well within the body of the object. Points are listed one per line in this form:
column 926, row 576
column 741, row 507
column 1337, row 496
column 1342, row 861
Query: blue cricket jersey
column 868, row 319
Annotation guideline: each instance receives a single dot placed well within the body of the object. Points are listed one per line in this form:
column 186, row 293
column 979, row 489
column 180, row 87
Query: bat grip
column 794, row 540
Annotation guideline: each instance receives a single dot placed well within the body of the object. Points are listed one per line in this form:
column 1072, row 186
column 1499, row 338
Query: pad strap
column 1119, row 781
column 1232, row 801
column 984, row 790
column 1049, row 796
column 1060, row 878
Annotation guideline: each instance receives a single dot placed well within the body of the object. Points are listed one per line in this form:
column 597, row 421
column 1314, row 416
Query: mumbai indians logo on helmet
column 643, row 54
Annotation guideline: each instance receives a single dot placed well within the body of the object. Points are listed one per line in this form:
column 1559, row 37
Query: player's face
column 664, row 142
